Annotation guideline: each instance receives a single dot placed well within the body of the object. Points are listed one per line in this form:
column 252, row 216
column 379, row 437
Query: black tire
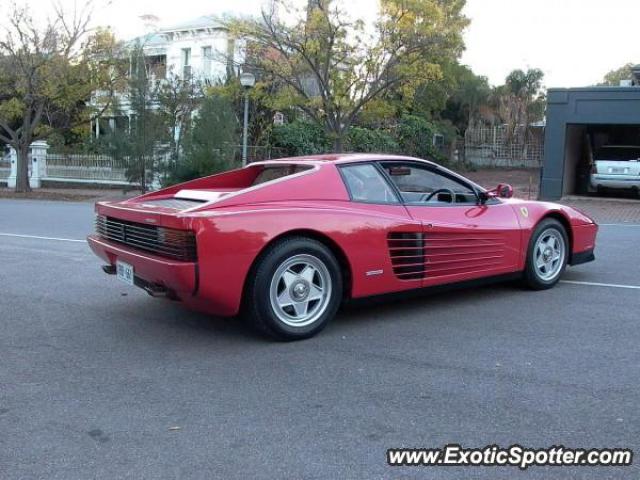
column 258, row 307
column 532, row 276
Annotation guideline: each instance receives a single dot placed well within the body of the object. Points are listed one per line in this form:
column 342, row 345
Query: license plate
column 124, row 272
column 619, row 170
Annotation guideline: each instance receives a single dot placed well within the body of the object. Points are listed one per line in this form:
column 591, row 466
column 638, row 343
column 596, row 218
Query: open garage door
column 579, row 122
column 602, row 159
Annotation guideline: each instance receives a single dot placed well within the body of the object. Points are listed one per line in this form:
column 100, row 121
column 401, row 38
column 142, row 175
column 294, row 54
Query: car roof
column 345, row 158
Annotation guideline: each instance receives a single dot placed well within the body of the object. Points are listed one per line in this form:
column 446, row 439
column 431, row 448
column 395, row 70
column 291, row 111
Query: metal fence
column 501, row 146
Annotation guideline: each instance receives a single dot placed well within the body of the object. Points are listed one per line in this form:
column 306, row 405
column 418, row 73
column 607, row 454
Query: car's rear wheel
column 295, row 290
column 547, row 255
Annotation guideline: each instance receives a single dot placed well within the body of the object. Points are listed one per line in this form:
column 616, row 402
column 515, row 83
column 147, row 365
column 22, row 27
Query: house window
column 206, row 62
column 157, row 66
column 186, row 62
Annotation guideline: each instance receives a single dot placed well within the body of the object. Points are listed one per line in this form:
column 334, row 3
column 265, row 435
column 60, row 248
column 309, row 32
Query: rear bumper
column 181, row 278
column 615, row 181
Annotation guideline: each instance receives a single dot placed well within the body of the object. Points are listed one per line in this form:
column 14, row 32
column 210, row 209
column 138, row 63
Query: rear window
column 618, row 153
column 273, row 173
column 366, row 184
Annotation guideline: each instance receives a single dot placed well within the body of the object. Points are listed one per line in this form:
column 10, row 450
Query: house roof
column 150, row 40
column 205, row 21
column 160, row 38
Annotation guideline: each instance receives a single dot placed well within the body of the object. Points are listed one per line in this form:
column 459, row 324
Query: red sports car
column 286, row 241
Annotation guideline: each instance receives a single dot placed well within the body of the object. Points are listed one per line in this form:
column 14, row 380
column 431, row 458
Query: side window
column 366, row 184
column 419, row 185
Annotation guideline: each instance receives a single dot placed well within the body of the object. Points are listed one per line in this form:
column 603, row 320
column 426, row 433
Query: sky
column 575, row 42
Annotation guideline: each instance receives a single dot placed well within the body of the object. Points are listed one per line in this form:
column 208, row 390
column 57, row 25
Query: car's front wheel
column 547, row 255
column 295, row 290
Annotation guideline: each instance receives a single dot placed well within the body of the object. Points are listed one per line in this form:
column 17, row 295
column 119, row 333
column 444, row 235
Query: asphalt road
column 99, row 380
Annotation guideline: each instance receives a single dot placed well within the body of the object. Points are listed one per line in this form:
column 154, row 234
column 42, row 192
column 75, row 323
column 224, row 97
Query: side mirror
column 504, row 190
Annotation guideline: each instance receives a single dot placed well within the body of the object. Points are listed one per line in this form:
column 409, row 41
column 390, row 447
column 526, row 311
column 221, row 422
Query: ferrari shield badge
column 524, row 211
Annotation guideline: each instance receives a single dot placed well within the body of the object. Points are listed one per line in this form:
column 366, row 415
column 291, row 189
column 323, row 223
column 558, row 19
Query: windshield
column 618, row 153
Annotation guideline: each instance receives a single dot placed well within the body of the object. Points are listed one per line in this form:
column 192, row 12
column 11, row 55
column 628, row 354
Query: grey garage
column 580, row 120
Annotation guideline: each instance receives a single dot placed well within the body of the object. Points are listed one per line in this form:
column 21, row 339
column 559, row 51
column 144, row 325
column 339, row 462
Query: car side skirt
column 582, row 257
column 435, row 289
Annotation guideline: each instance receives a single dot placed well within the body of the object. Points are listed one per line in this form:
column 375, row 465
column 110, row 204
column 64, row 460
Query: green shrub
column 369, row 140
column 300, row 138
column 415, row 136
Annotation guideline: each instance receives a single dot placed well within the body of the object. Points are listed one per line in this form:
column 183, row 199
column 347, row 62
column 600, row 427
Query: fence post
column 13, row 175
column 38, row 163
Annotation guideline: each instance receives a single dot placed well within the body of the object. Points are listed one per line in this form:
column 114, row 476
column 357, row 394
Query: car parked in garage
column 616, row 167
column 286, row 241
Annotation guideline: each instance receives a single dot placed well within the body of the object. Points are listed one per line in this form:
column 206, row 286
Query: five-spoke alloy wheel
column 300, row 290
column 295, row 290
column 547, row 255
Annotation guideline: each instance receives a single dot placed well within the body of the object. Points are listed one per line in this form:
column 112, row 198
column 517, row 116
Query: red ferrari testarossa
column 286, row 241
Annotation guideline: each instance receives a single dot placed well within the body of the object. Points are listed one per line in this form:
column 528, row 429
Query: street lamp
column 247, row 80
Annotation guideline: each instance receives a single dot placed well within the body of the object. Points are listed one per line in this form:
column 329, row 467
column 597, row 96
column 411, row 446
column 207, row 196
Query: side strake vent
column 454, row 253
column 407, row 254
column 415, row 255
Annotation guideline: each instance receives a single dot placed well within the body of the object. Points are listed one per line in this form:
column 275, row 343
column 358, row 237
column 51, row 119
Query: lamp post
column 247, row 80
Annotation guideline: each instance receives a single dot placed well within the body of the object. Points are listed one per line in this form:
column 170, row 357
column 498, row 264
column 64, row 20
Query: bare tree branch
column 48, row 74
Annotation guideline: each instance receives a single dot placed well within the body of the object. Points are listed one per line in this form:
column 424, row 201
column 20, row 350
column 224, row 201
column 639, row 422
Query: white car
column 616, row 166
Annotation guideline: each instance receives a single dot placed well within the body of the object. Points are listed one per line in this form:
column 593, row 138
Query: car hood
column 540, row 208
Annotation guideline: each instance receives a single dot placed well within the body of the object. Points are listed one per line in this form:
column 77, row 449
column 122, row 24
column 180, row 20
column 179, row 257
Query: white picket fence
column 85, row 169
column 68, row 168
column 49, row 167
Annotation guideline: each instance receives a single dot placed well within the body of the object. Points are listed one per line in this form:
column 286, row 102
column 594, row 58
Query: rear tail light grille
column 165, row 242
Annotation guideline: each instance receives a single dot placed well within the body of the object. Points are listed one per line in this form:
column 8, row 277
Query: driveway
column 99, row 380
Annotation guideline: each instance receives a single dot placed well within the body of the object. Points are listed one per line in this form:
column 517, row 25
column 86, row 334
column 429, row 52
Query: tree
column 260, row 105
column 521, row 99
column 210, row 144
column 470, row 93
column 148, row 130
column 47, row 76
column 614, row 77
column 331, row 66
column 147, row 134
column 178, row 98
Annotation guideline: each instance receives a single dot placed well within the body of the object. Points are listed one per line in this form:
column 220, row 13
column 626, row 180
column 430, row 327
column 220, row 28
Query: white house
column 200, row 49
